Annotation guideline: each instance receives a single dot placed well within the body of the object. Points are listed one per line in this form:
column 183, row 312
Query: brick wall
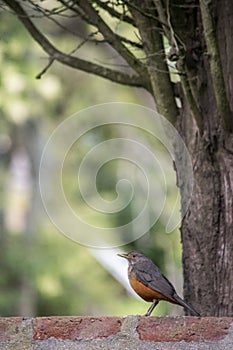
column 121, row 333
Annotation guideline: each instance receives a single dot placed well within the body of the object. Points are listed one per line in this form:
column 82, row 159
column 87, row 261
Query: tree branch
column 162, row 16
column 121, row 16
column 156, row 61
column 216, row 66
column 82, row 14
column 130, row 42
column 86, row 66
column 39, row 75
column 188, row 92
column 111, row 37
column 181, row 66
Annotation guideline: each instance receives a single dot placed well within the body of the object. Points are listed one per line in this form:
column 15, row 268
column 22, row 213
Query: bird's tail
column 186, row 305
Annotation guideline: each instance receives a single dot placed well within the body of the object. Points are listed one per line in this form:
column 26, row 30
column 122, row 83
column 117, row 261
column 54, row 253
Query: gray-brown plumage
column 150, row 284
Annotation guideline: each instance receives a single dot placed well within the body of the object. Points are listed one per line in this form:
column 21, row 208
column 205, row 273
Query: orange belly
column 146, row 293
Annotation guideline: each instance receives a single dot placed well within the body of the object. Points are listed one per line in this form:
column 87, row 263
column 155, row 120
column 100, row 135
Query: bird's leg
column 151, row 308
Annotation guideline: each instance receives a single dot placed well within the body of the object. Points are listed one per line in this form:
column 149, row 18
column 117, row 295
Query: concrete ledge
column 121, row 333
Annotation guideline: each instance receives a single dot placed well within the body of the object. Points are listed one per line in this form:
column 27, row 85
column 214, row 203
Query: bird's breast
column 145, row 292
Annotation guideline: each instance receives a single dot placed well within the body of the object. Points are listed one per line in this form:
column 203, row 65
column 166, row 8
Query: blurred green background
column 42, row 271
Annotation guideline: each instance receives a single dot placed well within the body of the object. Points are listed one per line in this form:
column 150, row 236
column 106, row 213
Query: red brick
column 167, row 329
column 75, row 328
column 9, row 327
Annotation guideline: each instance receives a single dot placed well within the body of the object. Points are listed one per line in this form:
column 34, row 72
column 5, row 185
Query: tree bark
column 207, row 229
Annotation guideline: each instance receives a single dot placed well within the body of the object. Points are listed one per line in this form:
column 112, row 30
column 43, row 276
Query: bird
column 150, row 284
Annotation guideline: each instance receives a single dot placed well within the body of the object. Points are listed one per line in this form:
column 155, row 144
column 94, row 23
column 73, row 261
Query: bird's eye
column 133, row 255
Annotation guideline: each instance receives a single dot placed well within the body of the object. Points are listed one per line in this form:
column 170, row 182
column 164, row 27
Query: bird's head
column 133, row 256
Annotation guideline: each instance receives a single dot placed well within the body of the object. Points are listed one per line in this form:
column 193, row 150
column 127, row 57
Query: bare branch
column 84, row 41
column 172, row 33
column 131, row 5
column 165, row 20
column 83, row 15
column 39, row 75
column 121, row 16
column 48, row 12
column 111, row 37
column 55, row 54
column 50, row 15
column 74, row 6
column 162, row 16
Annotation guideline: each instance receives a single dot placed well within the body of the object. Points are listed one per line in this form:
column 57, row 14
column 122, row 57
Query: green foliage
column 65, row 277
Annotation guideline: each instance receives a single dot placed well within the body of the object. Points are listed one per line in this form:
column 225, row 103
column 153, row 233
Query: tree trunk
column 207, row 229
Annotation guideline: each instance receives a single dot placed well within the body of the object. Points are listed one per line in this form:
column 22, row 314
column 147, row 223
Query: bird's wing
column 153, row 278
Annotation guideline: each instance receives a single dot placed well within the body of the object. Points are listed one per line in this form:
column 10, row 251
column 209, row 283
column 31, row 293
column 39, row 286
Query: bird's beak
column 123, row 255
